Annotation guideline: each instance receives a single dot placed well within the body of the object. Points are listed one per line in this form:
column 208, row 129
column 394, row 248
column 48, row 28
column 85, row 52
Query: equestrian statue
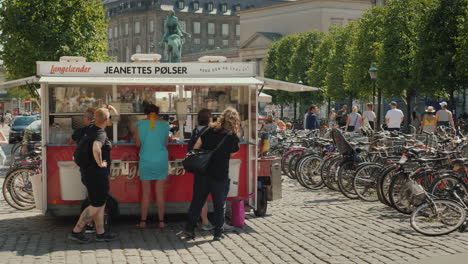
column 173, row 38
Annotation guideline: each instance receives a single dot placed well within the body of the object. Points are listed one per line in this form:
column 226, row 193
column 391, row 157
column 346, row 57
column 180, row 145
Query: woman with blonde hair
column 224, row 132
column 428, row 123
column 152, row 136
column 354, row 120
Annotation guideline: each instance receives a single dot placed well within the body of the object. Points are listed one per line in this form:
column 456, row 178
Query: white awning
column 240, row 81
column 271, row 84
column 19, row 82
column 264, row 98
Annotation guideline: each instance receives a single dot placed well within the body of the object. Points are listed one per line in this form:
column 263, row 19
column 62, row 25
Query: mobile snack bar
column 70, row 86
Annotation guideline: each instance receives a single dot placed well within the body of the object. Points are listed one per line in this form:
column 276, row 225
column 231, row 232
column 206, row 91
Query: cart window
column 78, row 99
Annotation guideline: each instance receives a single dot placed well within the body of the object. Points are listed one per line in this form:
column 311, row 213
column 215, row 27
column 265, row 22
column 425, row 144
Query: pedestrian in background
column 444, row 117
column 88, row 119
column 332, row 118
column 394, row 117
column 152, row 136
column 428, row 123
column 342, row 116
column 354, row 121
column 369, row 115
column 312, row 118
column 216, row 181
column 95, row 177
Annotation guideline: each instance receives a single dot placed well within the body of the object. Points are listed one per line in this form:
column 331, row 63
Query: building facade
column 137, row 26
column 264, row 25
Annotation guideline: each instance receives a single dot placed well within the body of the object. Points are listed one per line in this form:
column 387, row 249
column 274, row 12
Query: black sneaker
column 90, row 229
column 186, row 235
column 79, row 237
column 106, row 237
column 218, row 235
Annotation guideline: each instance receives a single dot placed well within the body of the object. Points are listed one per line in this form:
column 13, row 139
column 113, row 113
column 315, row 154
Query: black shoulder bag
column 197, row 160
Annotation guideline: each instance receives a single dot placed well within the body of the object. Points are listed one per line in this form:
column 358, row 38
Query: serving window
column 68, row 103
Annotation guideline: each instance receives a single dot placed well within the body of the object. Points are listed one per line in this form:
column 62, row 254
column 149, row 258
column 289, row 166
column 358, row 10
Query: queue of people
column 152, row 139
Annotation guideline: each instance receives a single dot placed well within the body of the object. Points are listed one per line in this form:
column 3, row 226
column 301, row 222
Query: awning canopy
column 19, row 82
column 151, row 81
column 271, row 84
column 264, row 98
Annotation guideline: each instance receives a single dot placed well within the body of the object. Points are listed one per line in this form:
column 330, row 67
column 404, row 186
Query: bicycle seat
column 430, row 159
column 416, row 151
column 460, row 160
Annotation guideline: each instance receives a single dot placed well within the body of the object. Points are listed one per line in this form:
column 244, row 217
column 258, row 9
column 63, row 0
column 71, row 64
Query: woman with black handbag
column 222, row 138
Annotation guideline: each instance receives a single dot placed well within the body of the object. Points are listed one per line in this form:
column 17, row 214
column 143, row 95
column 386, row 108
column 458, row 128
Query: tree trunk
column 282, row 108
column 452, row 104
column 295, row 108
column 350, row 106
column 409, row 97
column 379, row 109
column 329, row 107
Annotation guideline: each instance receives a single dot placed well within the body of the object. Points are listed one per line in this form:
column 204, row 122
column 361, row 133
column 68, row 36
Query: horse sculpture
column 174, row 48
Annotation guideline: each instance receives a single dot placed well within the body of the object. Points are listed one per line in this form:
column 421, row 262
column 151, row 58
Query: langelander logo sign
column 97, row 69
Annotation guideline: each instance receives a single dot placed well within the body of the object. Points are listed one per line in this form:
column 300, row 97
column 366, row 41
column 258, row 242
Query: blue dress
column 153, row 164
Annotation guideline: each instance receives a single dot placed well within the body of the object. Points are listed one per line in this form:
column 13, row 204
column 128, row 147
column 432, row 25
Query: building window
column 151, row 26
column 210, row 7
column 238, row 43
column 127, row 54
column 225, row 29
column 110, row 33
column 126, row 29
column 225, row 42
column 211, row 28
column 196, row 6
column 196, row 27
column 116, row 32
column 224, row 8
column 237, row 7
column 211, row 42
column 138, row 49
column 137, row 27
column 196, row 41
column 139, row 3
column 237, row 30
column 336, row 22
column 183, row 25
column 181, row 4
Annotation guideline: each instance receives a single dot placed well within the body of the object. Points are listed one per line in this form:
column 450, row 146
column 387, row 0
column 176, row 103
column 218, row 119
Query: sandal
column 142, row 224
column 162, row 225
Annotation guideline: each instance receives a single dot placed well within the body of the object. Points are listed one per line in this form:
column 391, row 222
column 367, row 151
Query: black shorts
column 96, row 181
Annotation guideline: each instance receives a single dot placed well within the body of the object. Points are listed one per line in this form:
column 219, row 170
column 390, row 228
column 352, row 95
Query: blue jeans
column 202, row 187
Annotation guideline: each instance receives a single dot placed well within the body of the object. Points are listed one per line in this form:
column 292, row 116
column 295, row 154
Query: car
column 18, row 125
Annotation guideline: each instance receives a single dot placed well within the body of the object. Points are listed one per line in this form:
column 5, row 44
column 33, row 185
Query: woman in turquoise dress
column 152, row 136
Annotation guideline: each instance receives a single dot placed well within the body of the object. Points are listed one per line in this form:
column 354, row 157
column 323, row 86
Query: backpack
column 83, row 153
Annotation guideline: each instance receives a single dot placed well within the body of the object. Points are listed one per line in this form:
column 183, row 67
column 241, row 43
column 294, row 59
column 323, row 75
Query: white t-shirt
column 394, row 116
column 369, row 115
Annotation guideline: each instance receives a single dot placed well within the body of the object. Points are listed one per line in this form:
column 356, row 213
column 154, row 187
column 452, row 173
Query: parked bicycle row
column 422, row 175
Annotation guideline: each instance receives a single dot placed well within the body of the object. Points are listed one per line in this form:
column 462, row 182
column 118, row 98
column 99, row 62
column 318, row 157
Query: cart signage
column 99, row 69
column 175, row 168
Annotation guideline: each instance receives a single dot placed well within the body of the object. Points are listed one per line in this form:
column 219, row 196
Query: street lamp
column 373, row 75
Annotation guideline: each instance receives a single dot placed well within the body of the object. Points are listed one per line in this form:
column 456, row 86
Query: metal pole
column 373, row 93
column 379, row 110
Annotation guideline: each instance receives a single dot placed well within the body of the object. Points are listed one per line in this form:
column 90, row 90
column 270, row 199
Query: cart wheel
column 262, row 203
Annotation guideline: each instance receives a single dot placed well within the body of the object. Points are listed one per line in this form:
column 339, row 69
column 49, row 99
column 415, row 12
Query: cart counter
column 64, row 180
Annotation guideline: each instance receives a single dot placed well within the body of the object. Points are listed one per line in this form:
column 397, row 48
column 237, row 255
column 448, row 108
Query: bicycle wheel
column 324, row 170
column 438, row 217
column 292, row 164
column 285, row 162
column 308, row 172
column 16, row 191
column 365, row 181
column 451, row 188
column 383, row 184
column 328, row 173
column 346, row 179
column 402, row 194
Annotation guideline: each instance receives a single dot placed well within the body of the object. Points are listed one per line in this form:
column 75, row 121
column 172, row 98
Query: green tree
column 365, row 49
column 38, row 30
column 436, row 70
column 461, row 57
column 401, row 23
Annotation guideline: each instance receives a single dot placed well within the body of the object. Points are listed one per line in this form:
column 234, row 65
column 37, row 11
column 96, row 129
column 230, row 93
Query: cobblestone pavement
column 303, row 227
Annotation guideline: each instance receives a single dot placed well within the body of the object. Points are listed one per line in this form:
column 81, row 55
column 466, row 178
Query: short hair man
column 394, row 117
column 342, row 116
column 444, row 117
column 312, row 118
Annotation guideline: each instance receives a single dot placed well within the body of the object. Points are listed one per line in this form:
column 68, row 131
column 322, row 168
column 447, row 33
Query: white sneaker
column 227, row 227
column 207, row 227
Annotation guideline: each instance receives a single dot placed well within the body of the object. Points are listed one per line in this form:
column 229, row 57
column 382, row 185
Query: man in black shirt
column 80, row 132
column 95, row 176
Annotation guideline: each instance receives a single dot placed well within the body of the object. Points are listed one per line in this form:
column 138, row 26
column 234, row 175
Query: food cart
column 71, row 85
